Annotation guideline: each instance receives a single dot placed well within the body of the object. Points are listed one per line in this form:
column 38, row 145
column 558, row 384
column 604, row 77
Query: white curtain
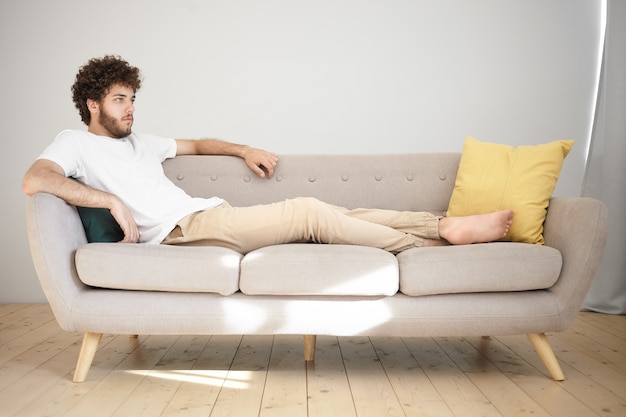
column 605, row 175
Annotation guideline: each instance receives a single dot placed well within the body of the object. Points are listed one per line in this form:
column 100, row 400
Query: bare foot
column 479, row 228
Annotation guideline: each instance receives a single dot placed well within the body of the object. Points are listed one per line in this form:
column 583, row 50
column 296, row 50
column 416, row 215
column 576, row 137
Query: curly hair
column 95, row 78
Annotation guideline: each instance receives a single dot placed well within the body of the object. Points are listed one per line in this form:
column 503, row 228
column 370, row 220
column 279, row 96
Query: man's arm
column 45, row 176
column 256, row 159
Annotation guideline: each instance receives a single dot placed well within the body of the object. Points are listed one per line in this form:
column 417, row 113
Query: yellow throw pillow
column 494, row 177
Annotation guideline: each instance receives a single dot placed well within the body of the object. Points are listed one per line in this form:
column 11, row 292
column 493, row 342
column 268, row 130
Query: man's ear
column 92, row 105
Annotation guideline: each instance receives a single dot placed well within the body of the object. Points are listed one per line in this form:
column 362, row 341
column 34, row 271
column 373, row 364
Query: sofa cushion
column 159, row 267
column 313, row 269
column 493, row 177
column 488, row 267
column 99, row 225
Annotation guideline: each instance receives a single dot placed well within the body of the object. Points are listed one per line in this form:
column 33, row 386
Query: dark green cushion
column 99, row 224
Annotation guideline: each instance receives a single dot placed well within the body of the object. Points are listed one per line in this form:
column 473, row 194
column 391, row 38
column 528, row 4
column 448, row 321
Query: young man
column 119, row 169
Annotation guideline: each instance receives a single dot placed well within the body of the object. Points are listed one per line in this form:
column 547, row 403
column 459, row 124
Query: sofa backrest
column 402, row 182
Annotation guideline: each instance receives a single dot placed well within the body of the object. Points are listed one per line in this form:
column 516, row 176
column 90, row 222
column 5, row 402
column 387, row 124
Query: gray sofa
column 499, row 288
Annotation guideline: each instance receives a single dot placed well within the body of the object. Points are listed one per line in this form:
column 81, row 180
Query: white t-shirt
column 131, row 169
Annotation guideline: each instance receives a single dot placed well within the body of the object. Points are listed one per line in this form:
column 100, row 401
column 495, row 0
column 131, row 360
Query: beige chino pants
column 304, row 219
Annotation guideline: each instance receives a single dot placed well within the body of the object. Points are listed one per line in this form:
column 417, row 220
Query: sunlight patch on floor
column 226, row 379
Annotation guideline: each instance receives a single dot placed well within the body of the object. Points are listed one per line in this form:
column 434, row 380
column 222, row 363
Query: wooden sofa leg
column 544, row 350
column 309, row 347
column 85, row 357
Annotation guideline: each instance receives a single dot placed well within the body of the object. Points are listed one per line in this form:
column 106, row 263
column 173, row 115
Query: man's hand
column 260, row 161
column 122, row 216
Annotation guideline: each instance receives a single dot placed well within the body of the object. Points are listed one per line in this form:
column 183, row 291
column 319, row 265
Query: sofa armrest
column 54, row 233
column 578, row 228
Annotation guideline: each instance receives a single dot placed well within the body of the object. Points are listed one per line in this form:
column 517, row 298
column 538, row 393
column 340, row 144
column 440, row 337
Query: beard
column 116, row 128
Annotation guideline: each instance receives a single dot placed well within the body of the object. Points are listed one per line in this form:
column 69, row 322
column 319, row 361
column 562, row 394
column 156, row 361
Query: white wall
column 341, row 76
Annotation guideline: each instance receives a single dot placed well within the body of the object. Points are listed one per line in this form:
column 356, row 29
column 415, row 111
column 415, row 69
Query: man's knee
column 309, row 202
column 313, row 209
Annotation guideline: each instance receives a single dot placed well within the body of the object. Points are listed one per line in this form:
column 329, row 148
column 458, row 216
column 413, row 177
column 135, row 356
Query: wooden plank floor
column 266, row 376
